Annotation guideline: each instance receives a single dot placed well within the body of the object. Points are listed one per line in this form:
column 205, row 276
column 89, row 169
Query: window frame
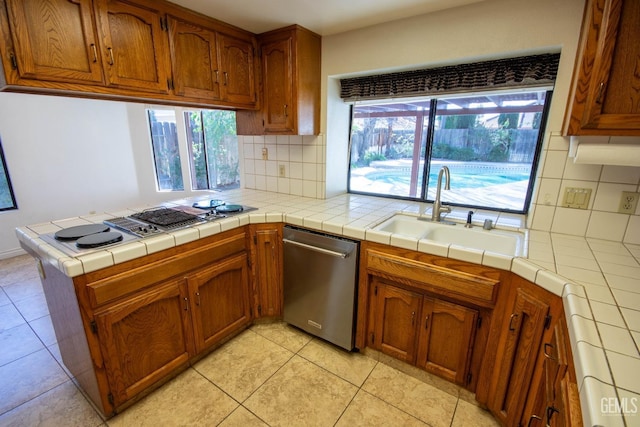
column 5, row 170
column 430, row 131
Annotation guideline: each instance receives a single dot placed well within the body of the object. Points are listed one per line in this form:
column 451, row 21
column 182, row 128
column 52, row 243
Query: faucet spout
column 438, row 209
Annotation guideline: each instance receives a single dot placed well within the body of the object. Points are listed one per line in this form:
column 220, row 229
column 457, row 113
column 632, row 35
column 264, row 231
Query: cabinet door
column 446, row 339
column 194, row 60
column 278, row 81
column 396, row 322
column 220, row 300
column 605, row 94
column 55, row 40
column 549, row 407
column 144, row 338
column 515, row 369
column 134, row 45
column 268, row 270
column 237, row 66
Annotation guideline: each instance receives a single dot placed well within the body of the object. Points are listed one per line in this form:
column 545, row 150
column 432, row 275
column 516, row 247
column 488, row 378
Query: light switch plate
column 577, row 198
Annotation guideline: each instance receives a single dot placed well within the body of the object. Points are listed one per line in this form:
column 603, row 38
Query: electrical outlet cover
column 628, row 202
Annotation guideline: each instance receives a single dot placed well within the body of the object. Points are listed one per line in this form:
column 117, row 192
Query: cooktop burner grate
column 166, row 217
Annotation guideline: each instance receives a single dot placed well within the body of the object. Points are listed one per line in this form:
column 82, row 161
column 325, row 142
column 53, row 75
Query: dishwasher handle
column 317, row 249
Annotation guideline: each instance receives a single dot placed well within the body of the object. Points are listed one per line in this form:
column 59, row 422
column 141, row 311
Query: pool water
column 458, row 181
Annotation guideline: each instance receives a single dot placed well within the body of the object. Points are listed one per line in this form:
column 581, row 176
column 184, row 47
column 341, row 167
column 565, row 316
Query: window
column 484, row 121
column 489, row 141
column 207, row 138
column 7, row 198
column 213, row 149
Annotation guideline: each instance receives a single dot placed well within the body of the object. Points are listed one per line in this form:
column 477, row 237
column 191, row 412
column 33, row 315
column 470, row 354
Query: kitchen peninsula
column 570, row 267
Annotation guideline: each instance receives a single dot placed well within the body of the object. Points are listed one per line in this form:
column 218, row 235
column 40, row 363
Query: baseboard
column 12, row 253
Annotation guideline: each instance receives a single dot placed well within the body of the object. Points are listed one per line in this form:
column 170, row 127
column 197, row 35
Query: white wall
column 69, row 157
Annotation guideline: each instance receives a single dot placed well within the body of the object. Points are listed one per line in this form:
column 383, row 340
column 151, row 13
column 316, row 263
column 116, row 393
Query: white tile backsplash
column 570, row 221
column 554, row 164
column 607, row 225
column 581, row 172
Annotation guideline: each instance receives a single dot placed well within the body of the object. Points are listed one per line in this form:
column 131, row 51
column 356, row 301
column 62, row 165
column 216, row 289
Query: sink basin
column 496, row 240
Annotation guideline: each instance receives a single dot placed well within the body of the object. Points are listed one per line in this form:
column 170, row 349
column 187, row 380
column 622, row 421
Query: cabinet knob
column 111, row 60
column 546, row 354
column 533, row 417
column 600, row 93
column 95, row 52
column 513, row 316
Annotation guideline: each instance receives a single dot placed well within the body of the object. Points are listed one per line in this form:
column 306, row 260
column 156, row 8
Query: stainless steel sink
column 500, row 241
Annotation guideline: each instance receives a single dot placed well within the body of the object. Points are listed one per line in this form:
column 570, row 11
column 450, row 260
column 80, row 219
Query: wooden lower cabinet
column 554, row 401
column 150, row 335
column 219, row 301
column 446, row 339
column 144, row 338
column 266, row 253
column 397, row 315
column 433, row 334
column 511, row 370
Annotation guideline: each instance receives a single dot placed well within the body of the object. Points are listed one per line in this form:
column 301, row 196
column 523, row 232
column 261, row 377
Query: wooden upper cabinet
column 290, row 73
column 54, row 40
column 278, row 109
column 134, row 45
column 194, row 60
column 605, row 92
column 237, row 69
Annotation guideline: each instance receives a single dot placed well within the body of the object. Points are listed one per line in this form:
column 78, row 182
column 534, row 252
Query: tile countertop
column 599, row 280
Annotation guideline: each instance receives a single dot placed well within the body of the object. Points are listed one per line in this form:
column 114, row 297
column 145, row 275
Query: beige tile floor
column 269, row 375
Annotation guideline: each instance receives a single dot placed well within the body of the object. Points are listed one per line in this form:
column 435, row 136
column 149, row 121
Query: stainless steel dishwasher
column 320, row 276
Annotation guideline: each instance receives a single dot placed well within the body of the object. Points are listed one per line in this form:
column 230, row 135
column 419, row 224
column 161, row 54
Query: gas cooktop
column 163, row 219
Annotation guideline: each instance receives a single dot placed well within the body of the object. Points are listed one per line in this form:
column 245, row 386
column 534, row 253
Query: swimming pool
column 471, row 179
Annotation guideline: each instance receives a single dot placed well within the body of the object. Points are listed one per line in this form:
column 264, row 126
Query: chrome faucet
column 438, row 209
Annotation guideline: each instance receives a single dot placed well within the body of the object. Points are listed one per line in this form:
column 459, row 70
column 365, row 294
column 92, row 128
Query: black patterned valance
column 537, row 70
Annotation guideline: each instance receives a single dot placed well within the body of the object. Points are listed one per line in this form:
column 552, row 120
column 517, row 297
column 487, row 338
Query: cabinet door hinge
column 547, row 321
column 375, row 291
column 469, row 377
column 255, row 240
column 94, row 327
column 170, row 84
column 373, row 338
column 110, row 398
column 164, row 25
column 479, row 322
column 259, row 310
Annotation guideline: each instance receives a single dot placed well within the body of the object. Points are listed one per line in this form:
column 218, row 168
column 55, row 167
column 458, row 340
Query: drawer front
column 128, row 282
column 440, row 280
